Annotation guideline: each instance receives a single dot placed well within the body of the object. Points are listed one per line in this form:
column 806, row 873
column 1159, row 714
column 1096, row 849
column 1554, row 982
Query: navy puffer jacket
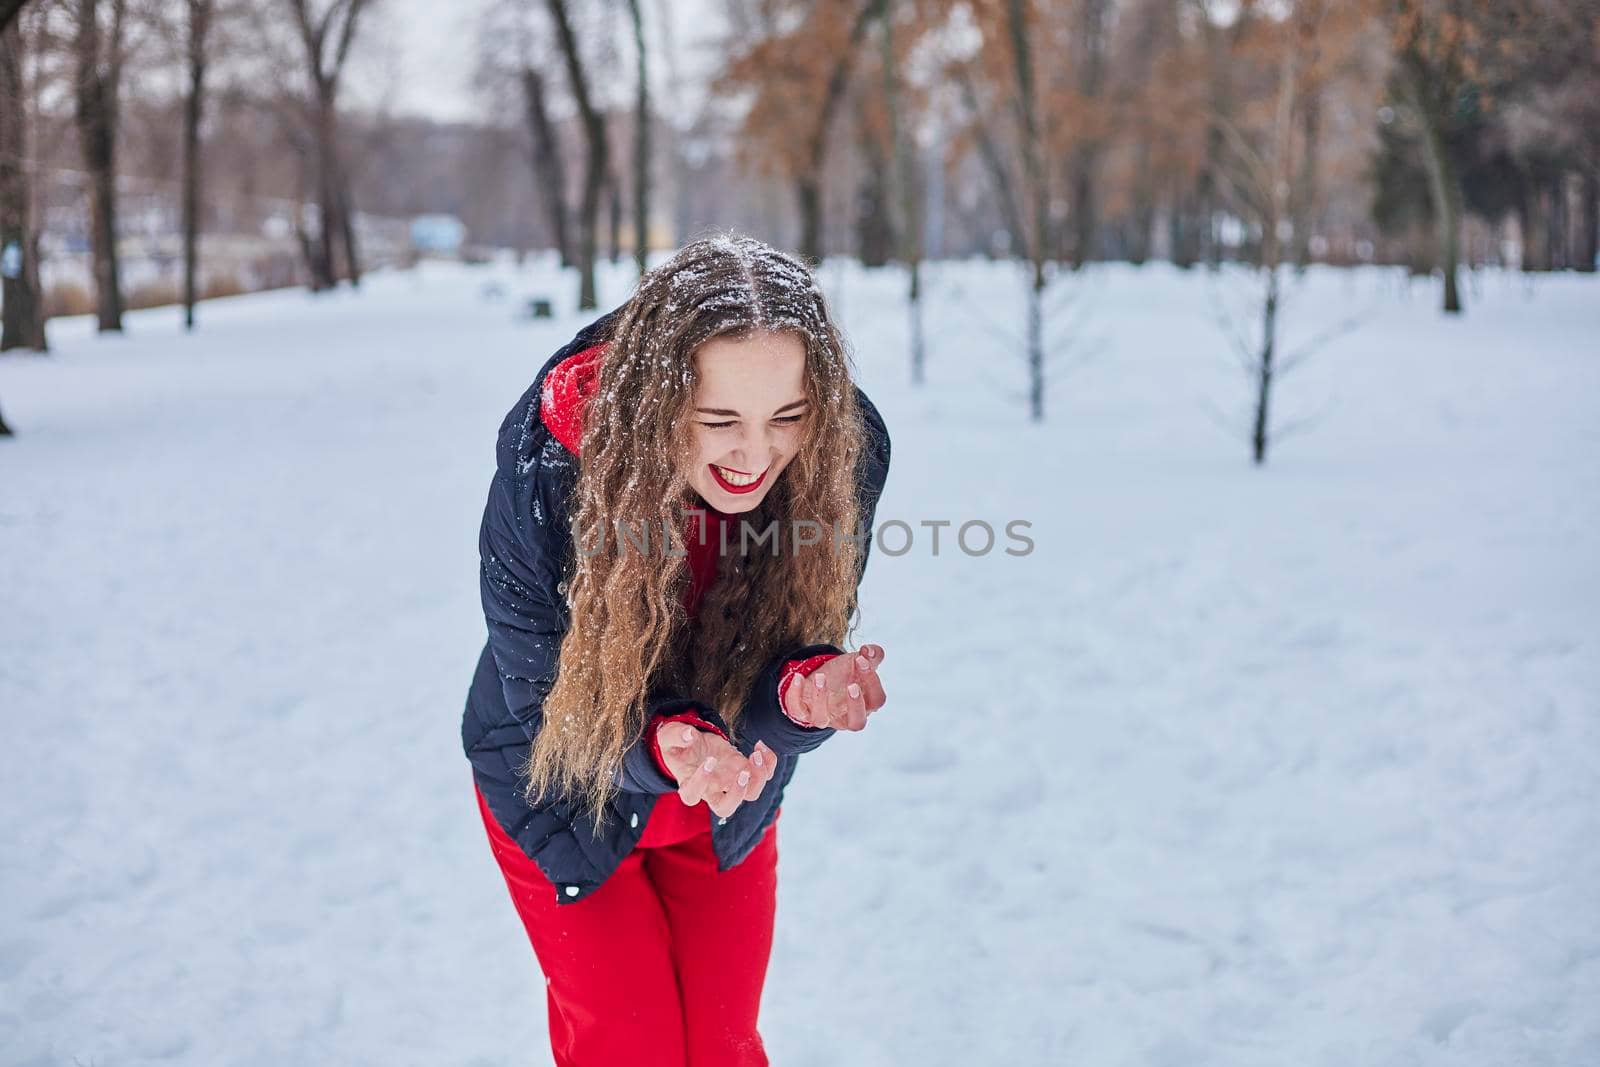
column 525, row 543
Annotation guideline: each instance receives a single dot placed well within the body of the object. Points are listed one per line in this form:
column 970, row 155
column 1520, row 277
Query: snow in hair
column 738, row 278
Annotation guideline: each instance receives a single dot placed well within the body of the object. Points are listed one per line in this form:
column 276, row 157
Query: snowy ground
column 1285, row 766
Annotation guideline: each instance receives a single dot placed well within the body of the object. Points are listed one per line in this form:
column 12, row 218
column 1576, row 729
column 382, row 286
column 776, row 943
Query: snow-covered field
column 1293, row 766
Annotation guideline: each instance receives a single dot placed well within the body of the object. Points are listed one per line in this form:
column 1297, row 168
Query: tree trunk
column 994, row 162
column 1269, row 342
column 614, row 196
column 1277, row 197
column 98, row 72
column 338, row 226
column 103, row 208
column 311, row 250
column 595, row 159
column 1036, row 343
column 1038, row 200
column 21, row 303
column 199, row 26
column 1557, row 240
column 875, row 237
column 641, row 146
column 909, row 190
column 1222, row 46
column 549, row 171
column 1144, row 204
column 1091, row 42
column 1444, row 189
column 1589, row 223
column 1185, row 227
column 327, row 203
column 1201, row 224
column 9, row 9
column 808, row 204
column 1527, row 226
column 347, row 225
column 808, row 184
column 1305, row 187
column 1085, row 209
column 324, row 67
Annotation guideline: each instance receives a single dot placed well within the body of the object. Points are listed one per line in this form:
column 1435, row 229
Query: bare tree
column 1303, row 196
column 614, row 202
column 1005, row 69
column 515, row 51
column 1449, row 55
column 808, row 183
column 990, row 153
column 1263, row 165
column 798, row 78
column 98, row 48
column 199, row 29
column 1224, row 25
column 1035, row 184
column 874, row 217
column 1147, row 75
column 641, row 143
column 596, row 157
column 22, row 324
column 1272, row 171
column 1429, row 60
column 549, row 169
column 22, row 314
column 1084, row 166
column 677, row 165
column 327, row 39
column 903, row 148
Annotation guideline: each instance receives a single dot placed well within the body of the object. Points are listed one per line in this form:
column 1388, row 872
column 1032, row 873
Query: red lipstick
column 736, row 489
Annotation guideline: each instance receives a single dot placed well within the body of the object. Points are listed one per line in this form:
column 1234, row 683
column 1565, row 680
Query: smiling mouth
column 736, row 481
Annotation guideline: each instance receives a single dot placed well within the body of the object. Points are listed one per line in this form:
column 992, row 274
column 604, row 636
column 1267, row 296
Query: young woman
column 678, row 521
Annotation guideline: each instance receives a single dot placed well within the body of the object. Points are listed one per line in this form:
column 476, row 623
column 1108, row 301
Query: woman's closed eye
column 785, row 420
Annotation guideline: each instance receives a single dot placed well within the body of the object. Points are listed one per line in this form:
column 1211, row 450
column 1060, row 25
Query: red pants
column 663, row 965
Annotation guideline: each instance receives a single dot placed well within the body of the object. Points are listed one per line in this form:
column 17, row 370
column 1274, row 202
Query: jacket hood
column 565, row 393
column 520, row 445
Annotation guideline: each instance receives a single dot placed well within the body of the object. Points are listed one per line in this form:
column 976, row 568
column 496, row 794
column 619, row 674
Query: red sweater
column 567, row 388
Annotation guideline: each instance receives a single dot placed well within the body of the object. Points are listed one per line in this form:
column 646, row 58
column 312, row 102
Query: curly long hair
column 629, row 635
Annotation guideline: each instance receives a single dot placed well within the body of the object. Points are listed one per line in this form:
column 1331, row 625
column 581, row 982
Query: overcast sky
column 422, row 52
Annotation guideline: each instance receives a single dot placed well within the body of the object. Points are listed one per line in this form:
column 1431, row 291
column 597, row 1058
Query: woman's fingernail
column 758, row 760
column 861, row 661
column 853, row 689
column 744, row 777
column 710, row 764
column 688, row 733
column 822, row 682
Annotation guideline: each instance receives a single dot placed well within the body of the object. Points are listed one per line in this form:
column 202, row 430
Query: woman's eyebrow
column 735, row 414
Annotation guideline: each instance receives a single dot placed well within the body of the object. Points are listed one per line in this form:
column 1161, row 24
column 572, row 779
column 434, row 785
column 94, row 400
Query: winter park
column 1234, row 574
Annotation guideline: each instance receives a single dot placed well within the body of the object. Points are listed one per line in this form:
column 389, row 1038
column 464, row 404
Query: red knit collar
column 567, row 388
column 565, row 396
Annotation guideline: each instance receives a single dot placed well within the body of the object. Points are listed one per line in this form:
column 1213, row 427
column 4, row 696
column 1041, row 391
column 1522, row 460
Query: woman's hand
column 707, row 768
column 841, row 693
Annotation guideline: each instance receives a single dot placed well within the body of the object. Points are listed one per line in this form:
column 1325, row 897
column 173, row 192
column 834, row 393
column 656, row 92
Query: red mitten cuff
column 798, row 668
column 689, row 717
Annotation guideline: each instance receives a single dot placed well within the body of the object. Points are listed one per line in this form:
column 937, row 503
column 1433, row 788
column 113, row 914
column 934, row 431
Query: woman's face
column 749, row 410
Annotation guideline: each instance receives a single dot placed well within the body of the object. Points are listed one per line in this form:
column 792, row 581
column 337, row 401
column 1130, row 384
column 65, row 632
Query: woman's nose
column 755, row 447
